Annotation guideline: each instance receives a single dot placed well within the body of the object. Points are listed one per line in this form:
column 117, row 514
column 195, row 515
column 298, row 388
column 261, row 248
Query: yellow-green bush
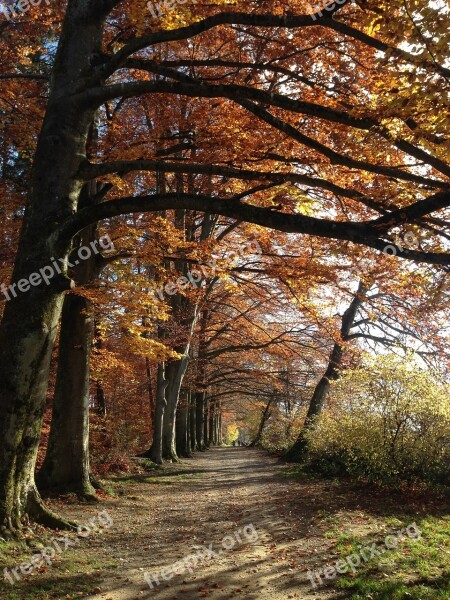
column 389, row 419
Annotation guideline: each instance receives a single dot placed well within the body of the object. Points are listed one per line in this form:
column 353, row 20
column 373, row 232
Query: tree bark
column 206, row 420
column 175, row 373
column 199, row 416
column 182, row 427
column 66, row 464
column 29, row 324
column 155, row 452
column 212, row 413
column 193, row 421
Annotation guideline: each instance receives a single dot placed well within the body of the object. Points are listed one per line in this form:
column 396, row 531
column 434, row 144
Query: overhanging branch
column 358, row 233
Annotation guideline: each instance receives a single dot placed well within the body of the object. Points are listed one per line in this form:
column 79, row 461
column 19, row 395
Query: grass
column 417, row 569
column 74, row 575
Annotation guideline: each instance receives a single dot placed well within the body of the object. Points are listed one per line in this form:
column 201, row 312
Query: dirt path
column 230, row 500
column 258, row 533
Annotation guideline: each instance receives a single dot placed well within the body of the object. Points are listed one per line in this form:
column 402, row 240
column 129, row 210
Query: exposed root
column 9, row 533
column 95, row 482
column 90, row 497
column 37, row 511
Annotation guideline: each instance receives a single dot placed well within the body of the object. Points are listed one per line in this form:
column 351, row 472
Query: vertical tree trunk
column 199, row 416
column 66, row 464
column 155, row 452
column 217, row 428
column 29, row 324
column 174, row 373
column 182, row 426
column 206, row 420
column 193, row 420
column 212, row 413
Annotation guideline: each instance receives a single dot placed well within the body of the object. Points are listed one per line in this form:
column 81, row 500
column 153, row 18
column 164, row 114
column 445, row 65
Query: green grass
column 415, row 570
column 75, row 575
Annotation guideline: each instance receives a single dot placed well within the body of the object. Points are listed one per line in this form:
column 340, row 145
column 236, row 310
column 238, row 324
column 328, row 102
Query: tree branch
column 91, row 171
column 358, row 233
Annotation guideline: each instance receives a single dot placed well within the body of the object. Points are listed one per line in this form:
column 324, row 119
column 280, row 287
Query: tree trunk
column 299, row 450
column 66, row 464
column 100, row 398
column 182, row 426
column 264, row 418
column 199, row 416
column 30, row 321
column 212, row 412
column 193, row 421
column 218, row 427
column 155, row 451
column 174, row 373
column 206, row 420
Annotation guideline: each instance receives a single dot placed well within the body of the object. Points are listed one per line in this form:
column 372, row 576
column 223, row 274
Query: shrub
column 387, row 420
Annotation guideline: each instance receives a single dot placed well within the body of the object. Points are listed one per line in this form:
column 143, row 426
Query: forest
column 224, row 299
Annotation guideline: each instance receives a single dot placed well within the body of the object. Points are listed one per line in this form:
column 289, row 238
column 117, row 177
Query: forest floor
column 259, row 530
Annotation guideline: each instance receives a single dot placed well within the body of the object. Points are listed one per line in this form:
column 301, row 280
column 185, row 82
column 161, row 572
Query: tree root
column 37, row 511
column 96, row 484
column 297, row 454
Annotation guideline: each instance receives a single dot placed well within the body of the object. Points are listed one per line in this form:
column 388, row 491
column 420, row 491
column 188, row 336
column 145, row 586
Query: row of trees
column 180, row 135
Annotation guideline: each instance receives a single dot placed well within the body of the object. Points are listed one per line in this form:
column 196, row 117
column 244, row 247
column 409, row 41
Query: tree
column 91, row 69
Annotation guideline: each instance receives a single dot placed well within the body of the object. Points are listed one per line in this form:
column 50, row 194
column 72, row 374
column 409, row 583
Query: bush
column 387, row 420
column 281, row 431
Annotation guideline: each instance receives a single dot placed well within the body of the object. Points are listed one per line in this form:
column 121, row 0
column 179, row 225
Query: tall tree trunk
column 66, row 464
column 174, row 373
column 212, row 413
column 155, row 451
column 206, row 420
column 218, row 425
column 199, row 416
column 100, row 398
column 182, row 426
column 30, row 321
column 299, row 450
column 193, row 421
